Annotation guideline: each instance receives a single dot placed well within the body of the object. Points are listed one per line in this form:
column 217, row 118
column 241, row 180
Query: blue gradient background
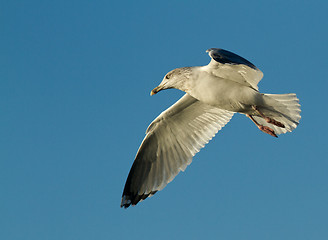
column 75, row 104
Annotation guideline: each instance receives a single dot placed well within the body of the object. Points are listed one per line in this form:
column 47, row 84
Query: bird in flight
column 228, row 84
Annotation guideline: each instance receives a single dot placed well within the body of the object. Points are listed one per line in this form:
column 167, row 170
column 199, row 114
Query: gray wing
column 171, row 141
column 230, row 66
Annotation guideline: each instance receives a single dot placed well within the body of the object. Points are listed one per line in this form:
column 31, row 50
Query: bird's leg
column 267, row 119
column 264, row 129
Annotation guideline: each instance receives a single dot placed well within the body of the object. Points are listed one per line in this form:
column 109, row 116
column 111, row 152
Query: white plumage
column 228, row 84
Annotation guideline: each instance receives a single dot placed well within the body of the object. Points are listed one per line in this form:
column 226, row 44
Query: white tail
column 284, row 108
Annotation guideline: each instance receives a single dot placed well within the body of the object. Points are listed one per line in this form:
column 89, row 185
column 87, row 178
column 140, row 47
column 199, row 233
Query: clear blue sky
column 75, row 104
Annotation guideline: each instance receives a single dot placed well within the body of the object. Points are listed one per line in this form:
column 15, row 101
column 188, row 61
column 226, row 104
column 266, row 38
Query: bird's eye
column 167, row 77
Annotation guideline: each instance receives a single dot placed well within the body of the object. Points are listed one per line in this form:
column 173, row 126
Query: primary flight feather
column 214, row 92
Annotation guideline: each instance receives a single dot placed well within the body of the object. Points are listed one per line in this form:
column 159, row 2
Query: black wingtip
column 125, row 202
column 134, row 199
column 225, row 56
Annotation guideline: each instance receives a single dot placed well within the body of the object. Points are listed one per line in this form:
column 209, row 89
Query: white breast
column 222, row 93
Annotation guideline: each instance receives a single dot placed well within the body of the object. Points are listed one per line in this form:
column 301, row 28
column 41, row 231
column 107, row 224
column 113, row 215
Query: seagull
column 213, row 93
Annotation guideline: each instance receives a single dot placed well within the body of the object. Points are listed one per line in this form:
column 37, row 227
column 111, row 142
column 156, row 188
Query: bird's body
column 228, row 84
column 221, row 92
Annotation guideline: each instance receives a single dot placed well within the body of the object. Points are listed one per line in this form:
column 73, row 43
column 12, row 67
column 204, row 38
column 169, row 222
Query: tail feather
column 284, row 108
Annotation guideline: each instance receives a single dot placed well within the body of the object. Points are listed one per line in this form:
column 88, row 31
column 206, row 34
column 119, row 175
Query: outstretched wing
column 230, row 66
column 171, row 141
